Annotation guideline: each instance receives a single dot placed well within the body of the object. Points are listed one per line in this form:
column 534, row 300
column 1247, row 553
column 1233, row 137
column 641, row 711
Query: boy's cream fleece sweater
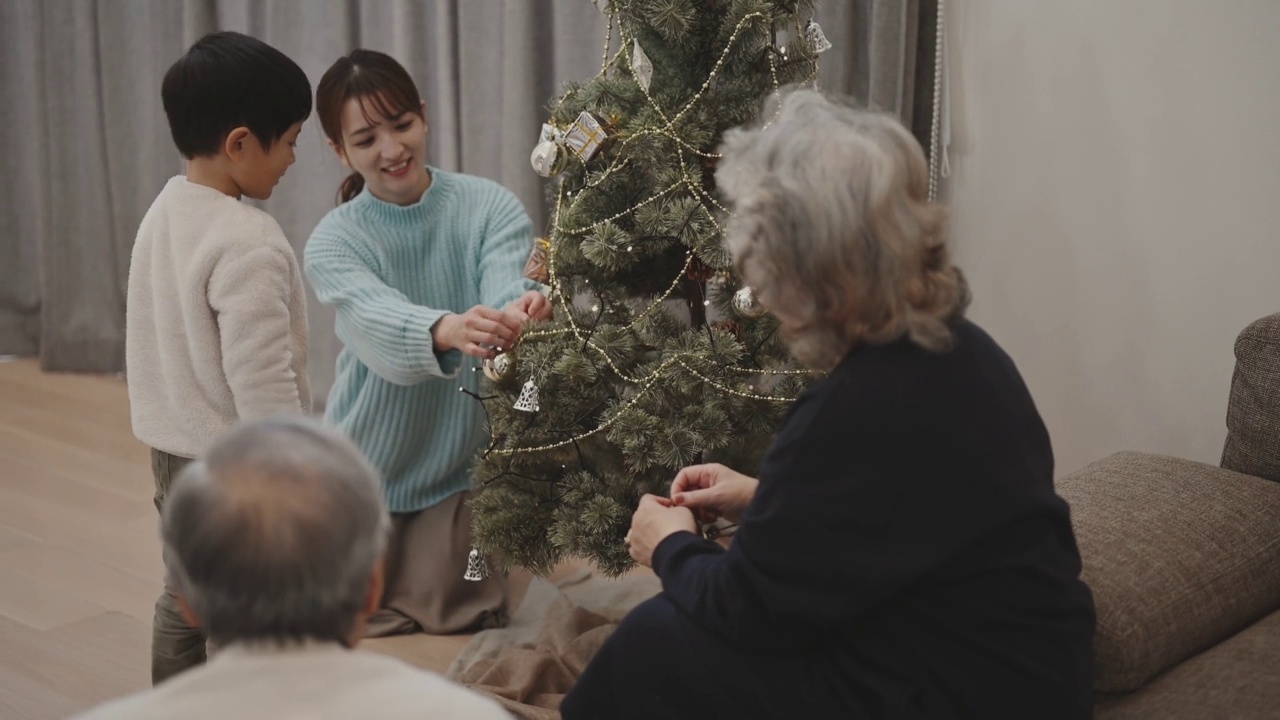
column 216, row 320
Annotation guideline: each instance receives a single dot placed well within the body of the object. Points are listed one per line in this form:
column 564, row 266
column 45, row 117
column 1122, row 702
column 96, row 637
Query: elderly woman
column 903, row 554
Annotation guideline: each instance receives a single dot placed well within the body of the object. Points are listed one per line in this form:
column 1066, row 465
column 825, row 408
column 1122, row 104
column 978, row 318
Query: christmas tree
column 657, row 357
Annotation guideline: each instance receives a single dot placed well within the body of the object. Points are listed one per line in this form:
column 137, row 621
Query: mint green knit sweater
column 391, row 272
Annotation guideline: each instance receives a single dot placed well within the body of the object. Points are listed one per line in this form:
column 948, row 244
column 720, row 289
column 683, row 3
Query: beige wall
column 1116, row 205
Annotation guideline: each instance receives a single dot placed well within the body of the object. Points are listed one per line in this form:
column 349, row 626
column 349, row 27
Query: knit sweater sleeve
column 249, row 292
column 388, row 333
column 820, row 542
column 504, row 248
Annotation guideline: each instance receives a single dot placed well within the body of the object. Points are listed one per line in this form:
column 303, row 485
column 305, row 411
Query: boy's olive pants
column 175, row 644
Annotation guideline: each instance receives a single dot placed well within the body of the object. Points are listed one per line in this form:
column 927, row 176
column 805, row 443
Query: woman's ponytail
column 350, row 187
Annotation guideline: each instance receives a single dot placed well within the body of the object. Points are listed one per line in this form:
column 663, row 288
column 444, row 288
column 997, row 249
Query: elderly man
column 274, row 542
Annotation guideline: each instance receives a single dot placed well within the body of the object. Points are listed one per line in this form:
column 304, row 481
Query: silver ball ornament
column 548, row 158
column 495, row 366
column 746, row 305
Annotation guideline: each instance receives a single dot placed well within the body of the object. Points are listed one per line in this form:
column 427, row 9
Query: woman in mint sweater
column 425, row 271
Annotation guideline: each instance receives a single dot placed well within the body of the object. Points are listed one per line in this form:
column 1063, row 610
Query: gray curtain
column 86, row 146
column 874, row 55
column 84, row 154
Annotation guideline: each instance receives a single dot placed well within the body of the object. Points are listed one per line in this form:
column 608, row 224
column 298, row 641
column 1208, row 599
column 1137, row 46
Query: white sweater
column 216, row 320
column 313, row 681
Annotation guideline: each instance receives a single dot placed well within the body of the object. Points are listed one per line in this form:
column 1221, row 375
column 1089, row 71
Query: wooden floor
column 79, row 553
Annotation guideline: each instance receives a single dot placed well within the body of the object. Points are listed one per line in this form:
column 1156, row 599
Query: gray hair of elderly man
column 276, row 533
column 833, row 228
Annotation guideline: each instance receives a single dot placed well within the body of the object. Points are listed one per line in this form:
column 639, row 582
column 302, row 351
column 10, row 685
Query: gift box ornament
column 585, row 136
column 535, row 268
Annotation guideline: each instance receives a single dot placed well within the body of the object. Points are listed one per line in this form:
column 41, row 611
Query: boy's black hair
column 228, row 80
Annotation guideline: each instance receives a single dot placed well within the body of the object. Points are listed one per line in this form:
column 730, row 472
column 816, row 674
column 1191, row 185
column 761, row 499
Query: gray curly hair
column 833, row 229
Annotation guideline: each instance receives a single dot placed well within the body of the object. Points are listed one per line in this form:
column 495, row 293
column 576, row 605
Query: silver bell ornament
column 817, row 39
column 745, row 303
column 495, row 366
column 477, row 568
column 528, row 400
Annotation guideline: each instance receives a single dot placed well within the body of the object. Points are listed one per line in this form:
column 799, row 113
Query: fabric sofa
column 1184, row 562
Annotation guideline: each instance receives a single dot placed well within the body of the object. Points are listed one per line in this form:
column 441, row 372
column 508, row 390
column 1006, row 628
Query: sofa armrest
column 1253, row 412
column 1178, row 554
column 1237, row 678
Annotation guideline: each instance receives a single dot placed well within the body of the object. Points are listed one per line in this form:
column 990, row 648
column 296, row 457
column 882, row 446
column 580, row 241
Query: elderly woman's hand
column 713, row 490
column 653, row 521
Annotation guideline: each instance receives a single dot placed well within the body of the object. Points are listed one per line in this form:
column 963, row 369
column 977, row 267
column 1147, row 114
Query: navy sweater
column 906, row 539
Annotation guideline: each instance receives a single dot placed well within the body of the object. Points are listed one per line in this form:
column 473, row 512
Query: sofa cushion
column 1237, row 678
column 1178, row 554
column 1253, row 413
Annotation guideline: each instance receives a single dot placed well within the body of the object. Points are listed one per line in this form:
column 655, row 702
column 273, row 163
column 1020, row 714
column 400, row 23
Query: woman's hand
column 479, row 332
column 533, row 305
column 653, row 521
column 713, row 491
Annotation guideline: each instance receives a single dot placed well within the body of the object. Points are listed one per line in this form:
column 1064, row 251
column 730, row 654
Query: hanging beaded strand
column 935, row 129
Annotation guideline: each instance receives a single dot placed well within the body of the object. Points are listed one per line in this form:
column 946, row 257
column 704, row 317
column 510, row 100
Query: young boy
column 216, row 316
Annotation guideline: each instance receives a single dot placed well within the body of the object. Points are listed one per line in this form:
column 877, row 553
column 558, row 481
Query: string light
column 773, row 72
column 647, row 385
column 696, row 187
column 602, row 426
column 670, row 122
column 716, row 68
column 729, row 390
column 688, row 260
column 629, row 211
column 760, row 371
column 724, row 54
